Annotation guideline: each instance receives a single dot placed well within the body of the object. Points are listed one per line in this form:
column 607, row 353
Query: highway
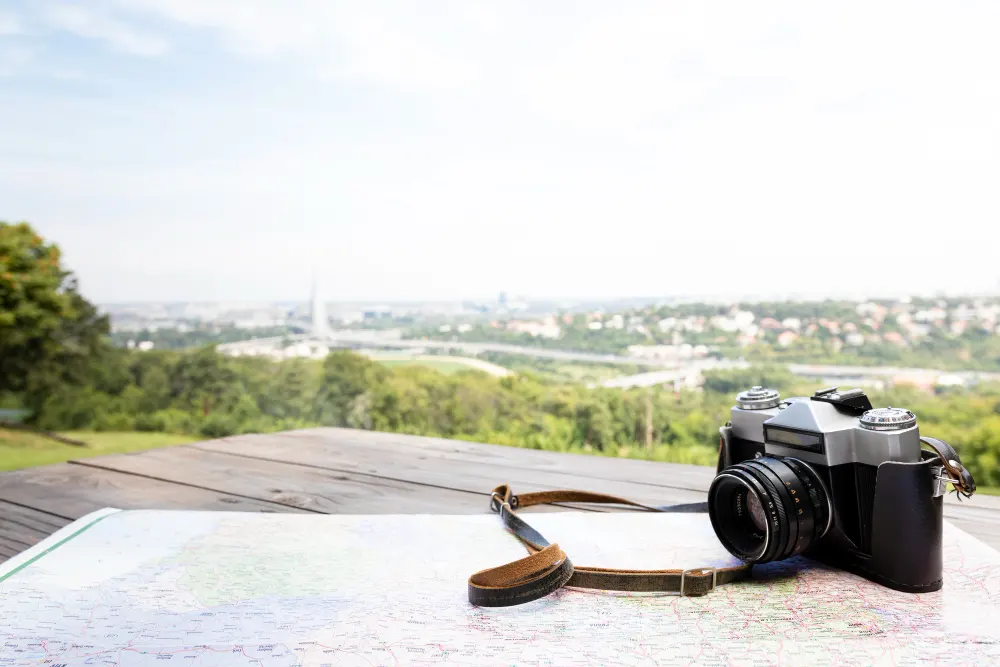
column 358, row 339
column 684, row 371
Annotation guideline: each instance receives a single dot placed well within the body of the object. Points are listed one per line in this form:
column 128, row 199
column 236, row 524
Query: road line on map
column 52, row 548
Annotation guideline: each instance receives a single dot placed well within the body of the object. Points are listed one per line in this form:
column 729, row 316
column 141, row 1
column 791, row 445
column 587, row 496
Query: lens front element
column 756, row 513
column 769, row 508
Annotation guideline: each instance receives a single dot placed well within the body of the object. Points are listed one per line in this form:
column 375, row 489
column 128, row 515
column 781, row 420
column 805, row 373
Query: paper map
column 204, row 589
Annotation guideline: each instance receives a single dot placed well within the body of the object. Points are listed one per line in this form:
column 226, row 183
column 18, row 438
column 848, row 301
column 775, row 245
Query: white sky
column 212, row 149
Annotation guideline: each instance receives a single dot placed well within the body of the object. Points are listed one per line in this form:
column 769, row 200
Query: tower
column 320, row 322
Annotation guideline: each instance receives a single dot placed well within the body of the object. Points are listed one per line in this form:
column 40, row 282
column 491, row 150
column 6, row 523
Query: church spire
column 320, row 322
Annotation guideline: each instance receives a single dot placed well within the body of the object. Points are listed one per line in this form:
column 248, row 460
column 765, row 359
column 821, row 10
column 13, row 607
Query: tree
column 49, row 334
column 33, row 302
column 205, row 382
column 346, row 376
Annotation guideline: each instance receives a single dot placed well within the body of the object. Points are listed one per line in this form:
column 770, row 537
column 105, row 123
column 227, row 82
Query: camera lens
column 756, row 513
column 769, row 508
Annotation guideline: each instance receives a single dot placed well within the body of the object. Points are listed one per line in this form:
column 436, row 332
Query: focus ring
column 782, row 499
column 794, row 501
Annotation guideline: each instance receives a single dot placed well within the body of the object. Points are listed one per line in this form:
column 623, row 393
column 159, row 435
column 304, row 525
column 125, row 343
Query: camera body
column 833, row 479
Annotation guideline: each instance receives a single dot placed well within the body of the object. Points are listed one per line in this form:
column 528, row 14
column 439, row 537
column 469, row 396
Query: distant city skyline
column 201, row 150
column 310, row 300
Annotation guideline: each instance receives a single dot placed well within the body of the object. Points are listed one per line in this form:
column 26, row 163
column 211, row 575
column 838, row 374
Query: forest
column 57, row 361
column 205, row 394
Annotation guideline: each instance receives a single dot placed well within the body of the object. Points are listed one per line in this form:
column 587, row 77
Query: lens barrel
column 796, row 508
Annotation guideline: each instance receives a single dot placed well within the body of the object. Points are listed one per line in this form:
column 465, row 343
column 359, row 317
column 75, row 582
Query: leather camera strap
column 957, row 475
column 548, row 568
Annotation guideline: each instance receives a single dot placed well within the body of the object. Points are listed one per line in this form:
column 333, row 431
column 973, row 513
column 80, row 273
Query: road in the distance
column 354, row 339
column 679, row 367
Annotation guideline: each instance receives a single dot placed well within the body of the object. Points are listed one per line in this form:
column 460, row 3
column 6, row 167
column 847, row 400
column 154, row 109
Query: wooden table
column 344, row 471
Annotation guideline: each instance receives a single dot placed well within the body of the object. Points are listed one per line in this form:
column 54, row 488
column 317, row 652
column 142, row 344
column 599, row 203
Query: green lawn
column 443, row 366
column 20, row 449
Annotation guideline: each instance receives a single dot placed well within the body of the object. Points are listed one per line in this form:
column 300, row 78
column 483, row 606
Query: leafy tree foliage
column 47, row 330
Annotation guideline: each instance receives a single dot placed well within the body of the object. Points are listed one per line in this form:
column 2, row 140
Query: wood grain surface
column 344, row 471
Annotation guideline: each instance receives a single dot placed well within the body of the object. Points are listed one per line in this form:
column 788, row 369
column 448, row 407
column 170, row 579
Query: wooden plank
column 347, row 471
column 71, row 491
column 582, row 466
column 471, row 466
column 290, row 485
column 988, row 532
column 413, row 465
column 23, row 527
column 8, row 551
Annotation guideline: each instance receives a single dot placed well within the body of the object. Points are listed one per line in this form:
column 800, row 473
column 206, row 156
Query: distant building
column 930, row 315
column 616, row 322
column 320, row 321
column 683, row 351
column 866, row 308
column 921, row 380
column 693, row 324
column 854, row 338
column 534, row 328
column 744, row 318
column 667, row 324
column 786, row 338
column 375, row 312
column 950, row 381
column 308, row 350
column 727, row 324
column 895, row 338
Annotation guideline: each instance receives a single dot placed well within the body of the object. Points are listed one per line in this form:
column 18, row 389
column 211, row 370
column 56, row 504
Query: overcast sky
column 213, row 149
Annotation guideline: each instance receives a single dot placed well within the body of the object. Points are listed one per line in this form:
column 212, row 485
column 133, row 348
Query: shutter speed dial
column 758, row 398
column 888, row 419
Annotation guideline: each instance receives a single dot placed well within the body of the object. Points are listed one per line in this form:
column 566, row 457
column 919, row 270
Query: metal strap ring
column 699, row 570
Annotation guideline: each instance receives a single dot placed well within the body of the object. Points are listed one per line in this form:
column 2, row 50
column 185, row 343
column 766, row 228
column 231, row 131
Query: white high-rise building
column 320, row 322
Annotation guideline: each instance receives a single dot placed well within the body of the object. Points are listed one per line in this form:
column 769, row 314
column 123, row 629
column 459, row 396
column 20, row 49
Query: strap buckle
column 497, row 503
column 941, row 480
column 941, row 477
column 698, row 570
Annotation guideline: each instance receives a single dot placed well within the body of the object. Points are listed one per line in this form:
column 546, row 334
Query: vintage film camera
column 829, row 477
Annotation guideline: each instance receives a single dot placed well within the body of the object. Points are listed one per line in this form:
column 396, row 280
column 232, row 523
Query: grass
column 446, row 367
column 586, row 373
column 19, row 449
